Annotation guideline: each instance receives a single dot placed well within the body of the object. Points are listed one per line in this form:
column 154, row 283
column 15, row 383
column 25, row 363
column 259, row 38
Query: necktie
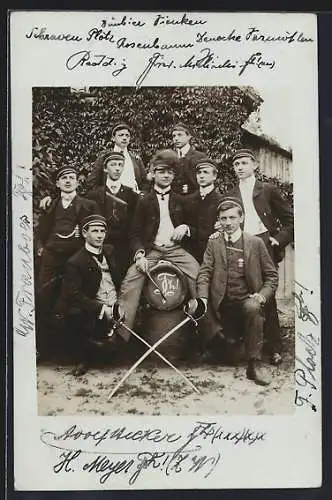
column 162, row 194
column 229, row 242
column 113, row 189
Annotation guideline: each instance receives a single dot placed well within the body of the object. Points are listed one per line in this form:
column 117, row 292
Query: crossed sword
column 153, row 348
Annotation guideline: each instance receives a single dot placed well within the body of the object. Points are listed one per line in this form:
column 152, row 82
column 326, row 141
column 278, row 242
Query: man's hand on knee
column 142, row 263
column 259, row 298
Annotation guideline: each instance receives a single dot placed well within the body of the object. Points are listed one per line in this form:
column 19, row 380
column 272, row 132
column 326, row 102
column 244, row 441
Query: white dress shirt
column 166, row 228
column 67, row 198
column 252, row 222
column 203, row 191
column 233, row 237
column 113, row 186
column 183, row 151
column 128, row 175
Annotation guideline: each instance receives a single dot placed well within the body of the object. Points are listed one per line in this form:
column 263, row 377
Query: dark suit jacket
column 81, row 283
column 45, row 226
column 147, row 218
column 260, row 272
column 273, row 210
column 121, row 215
column 186, row 174
column 98, row 177
column 201, row 216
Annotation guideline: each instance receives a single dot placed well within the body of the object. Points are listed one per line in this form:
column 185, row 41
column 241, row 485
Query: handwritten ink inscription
column 189, row 453
column 305, row 372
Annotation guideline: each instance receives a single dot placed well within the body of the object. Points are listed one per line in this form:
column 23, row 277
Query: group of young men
column 96, row 250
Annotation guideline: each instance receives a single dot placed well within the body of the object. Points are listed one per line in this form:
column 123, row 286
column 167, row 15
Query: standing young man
column 117, row 204
column 134, row 174
column 201, row 207
column 58, row 237
column 236, row 280
column 185, row 181
column 269, row 216
column 157, row 232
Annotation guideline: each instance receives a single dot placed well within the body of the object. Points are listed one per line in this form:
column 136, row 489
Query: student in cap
column 117, row 204
column 201, row 207
column 236, row 280
column 134, row 172
column 269, row 216
column 88, row 298
column 58, row 237
column 185, row 181
column 158, row 231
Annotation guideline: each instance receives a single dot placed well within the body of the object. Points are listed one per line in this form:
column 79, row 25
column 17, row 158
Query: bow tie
column 113, row 188
column 162, row 194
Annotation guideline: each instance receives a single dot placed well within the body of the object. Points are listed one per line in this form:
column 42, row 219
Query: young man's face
column 163, row 177
column 180, row 138
column 114, row 169
column 244, row 167
column 94, row 235
column 206, row 176
column 230, row 220
column 121, row 138
column 67, row 183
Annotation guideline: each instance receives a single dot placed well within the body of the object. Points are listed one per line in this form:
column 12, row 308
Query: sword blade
column 163, row 358
column 146, row 354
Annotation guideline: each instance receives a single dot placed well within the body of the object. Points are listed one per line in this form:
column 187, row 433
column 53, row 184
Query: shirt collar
column 160, row 190
column 119, row 150
column 203, row 191
column 184, row 150
column 68, row 196
column 248, row 182
column 110, row 183
column 235, row 236
column 91, row 249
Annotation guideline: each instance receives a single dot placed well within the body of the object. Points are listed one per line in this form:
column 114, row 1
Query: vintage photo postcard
column 166, row 292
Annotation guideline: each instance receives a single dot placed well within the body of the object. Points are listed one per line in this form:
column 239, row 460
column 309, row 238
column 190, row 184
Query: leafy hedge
column 72, row 129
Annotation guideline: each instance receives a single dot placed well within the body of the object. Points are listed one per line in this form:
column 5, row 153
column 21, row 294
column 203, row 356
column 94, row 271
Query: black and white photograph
column 166, row 250
column 162, row 215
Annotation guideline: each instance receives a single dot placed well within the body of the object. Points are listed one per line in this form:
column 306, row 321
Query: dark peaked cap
column 182, row 126
column 241, row 153
column 205, row 161
column 120, row 126
column 114, row 155
column 65, row 170
column 95, row 220
column 230, row 199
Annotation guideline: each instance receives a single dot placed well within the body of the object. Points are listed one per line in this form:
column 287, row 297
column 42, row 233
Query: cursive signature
column 191, row 452
column 86, row 58
column 302, row 309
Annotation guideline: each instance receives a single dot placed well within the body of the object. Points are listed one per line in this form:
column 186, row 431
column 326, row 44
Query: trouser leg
column 188, row 265
column 272, row 332
column 253, row 321
column 131, row 290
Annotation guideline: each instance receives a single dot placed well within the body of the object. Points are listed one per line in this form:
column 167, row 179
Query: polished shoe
column 80, row 370
column 257, row 373
column 276, row 359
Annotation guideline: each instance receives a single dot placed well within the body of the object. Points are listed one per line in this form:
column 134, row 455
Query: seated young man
column 201, row 207
column 237, row 279
column 117, row 204
column 89, row 291
column 58, row 237
column 157, row 233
